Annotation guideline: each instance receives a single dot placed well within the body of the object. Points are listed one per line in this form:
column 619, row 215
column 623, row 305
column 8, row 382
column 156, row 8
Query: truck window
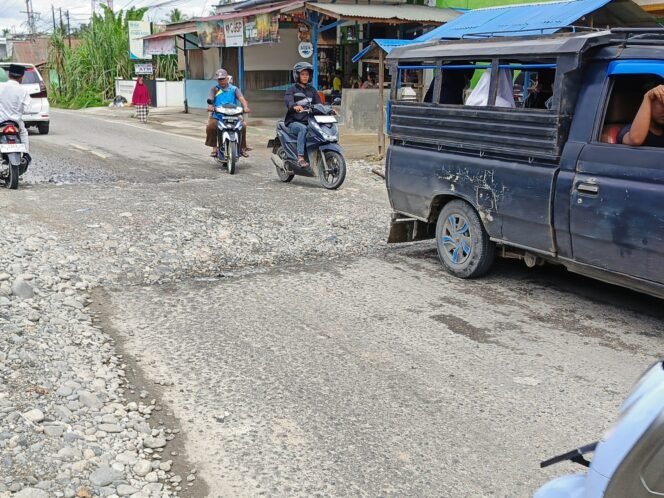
column 625, row 98
column 522, row 85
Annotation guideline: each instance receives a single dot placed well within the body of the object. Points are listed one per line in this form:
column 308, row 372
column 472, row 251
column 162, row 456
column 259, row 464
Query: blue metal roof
column 515, row 20
column 384, row 44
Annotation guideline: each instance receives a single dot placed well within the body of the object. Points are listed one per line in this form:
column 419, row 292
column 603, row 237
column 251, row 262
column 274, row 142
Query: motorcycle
column 322, row 151
column 629, row 461
column 14, row 158
column 229, row 130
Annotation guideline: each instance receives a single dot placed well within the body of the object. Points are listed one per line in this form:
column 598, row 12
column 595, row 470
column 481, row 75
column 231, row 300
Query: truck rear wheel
column 464, row 247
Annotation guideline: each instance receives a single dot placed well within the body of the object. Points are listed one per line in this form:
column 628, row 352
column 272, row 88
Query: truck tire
column 43, row 128
column 464, row 247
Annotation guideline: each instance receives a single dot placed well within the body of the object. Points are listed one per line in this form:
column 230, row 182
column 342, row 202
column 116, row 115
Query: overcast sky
column 11, row 15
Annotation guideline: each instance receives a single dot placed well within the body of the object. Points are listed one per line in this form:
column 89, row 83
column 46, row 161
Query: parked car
column 545, row 185
column 39, row 113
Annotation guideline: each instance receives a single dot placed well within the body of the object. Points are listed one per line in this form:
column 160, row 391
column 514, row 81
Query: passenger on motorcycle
column 15, row 100
column 224, row 93
column 296, row 116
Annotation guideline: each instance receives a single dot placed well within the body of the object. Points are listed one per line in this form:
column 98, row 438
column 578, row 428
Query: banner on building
column 160, row 46
column 211, row 34
column 137, row 30
column 234, row 31
column 263, row 28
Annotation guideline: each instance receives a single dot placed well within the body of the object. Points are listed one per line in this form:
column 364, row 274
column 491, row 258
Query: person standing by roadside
column 15, row 100
column 224, row 93
column 141, row 100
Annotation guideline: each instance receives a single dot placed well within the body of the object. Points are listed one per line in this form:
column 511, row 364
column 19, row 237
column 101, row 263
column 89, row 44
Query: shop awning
column 540, row 19
column 389, row 14
column 172, row 32
column 386, row 45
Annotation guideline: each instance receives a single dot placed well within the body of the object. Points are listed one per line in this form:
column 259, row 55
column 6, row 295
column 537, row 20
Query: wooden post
column 381, row 102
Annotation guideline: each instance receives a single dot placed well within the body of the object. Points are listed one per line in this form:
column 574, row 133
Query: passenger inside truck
column 540, row 95
column 625, row 100
column 454, row 84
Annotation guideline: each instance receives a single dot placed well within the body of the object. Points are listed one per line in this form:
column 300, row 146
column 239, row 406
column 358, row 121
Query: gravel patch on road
column 67, row 427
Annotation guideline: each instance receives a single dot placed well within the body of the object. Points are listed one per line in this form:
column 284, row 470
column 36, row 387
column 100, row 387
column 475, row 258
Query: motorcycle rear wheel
column 11, row 182
column 334, row 175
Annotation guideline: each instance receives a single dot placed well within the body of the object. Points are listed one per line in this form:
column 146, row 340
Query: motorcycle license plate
column 325, row 119
column 10, row 148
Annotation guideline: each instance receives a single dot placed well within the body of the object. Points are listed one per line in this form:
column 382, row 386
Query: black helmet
column 302, row 66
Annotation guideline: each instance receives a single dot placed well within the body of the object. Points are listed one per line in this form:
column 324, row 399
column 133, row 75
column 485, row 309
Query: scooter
column 229, row 130
column 322, row 151
column 629, row 461
column 14, row 157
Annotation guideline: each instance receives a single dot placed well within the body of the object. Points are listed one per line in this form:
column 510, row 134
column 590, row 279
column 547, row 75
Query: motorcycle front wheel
column 231, row 157
column 333, row 173
column 283, row 175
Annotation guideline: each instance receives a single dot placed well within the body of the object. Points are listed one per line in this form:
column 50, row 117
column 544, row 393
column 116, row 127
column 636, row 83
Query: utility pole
column 62, row 25
column 109, row 4
column 53, row 12
column 31, row 17
column 68, row 29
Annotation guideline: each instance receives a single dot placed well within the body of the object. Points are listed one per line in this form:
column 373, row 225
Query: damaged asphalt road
column 294, row 353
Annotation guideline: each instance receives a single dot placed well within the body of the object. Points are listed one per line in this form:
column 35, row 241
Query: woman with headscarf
column 141, row 99
column 505, row 95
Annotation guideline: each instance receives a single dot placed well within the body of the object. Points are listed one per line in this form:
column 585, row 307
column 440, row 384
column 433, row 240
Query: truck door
column 617, row 202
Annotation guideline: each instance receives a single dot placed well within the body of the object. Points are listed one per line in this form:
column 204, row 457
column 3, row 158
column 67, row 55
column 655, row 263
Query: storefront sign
column 234, row 30
column 263, row 28
column 211, row 34
column 303, row 33
column 305, row 50
column 160, row 46
column 137, row 30
column 143, row 68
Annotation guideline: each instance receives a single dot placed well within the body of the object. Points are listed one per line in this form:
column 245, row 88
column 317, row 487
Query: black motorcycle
column 14, row 157
column 322, row 151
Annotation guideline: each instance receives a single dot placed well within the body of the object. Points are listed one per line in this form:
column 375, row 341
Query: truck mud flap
column 409, row 230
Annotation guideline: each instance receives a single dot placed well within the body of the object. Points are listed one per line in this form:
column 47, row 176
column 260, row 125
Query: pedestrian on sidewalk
column 141, row 100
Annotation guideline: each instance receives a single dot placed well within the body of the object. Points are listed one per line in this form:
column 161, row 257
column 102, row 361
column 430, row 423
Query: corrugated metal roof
column 401, row 12
column 384, row 44
column 33, row 51
column 514, row 20
column 277, row 7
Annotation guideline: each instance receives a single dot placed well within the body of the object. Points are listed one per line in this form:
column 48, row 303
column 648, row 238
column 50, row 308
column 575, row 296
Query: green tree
column 6, row 32
column 176, row 15
column 87, row 72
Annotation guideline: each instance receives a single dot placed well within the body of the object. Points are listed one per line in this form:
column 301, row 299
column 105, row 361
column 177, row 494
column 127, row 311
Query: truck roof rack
column 639, row 36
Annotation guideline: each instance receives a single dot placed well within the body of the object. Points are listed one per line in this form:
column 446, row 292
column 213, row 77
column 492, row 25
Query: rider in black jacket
column 296, row 117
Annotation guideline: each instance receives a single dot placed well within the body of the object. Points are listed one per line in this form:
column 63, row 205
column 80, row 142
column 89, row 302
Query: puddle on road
column 462, row 327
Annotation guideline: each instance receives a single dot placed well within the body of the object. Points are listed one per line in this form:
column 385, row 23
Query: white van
column 39, row 113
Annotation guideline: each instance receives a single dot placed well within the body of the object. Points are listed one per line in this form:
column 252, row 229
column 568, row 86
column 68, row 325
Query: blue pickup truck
column 545, row 183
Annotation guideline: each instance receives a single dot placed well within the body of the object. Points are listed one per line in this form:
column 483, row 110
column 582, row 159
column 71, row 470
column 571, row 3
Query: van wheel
column 464, row 247
column 43, row 128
